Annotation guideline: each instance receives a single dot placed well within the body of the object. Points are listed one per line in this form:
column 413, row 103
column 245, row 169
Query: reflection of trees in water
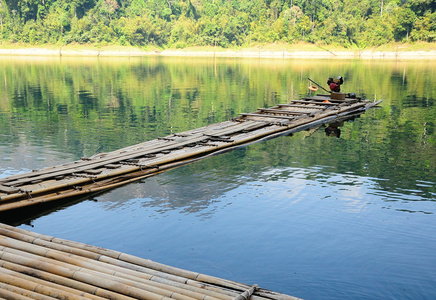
column 86, row 106
column 356, row 158
column 308, row 155
column 193, row 188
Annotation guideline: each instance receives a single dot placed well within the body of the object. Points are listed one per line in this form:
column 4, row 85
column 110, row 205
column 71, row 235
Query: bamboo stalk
column 171, row 158
column 42, row 291
column 62, row 268
column 168, row 282
column 101, row 162
column 229, row 128
column 50, row 279
column 267, row 116
column 104, row 255
column 12, row 293
column 121, row 256
column 309, row 110
column 80, row 165
column 73, row 165
column 126, row 276
column 84, row 165
column 308, row 102
column 79, row 274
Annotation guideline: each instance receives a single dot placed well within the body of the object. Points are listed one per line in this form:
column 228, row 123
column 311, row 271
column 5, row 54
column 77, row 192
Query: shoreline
column 288, row 54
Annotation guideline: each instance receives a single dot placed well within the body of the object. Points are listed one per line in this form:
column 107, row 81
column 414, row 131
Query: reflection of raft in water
column 107, row 170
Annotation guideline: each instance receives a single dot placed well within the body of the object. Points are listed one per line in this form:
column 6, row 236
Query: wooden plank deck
column 108, row 170
column 36, row 266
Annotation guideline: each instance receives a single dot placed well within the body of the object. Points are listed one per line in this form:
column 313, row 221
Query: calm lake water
column 310, row 215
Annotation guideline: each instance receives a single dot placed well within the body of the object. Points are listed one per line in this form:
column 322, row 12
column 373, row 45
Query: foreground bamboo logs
column 36, row 266
column 107, row 170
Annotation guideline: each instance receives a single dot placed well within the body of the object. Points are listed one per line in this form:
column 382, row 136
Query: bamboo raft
column 107, row 170
column 36, row 266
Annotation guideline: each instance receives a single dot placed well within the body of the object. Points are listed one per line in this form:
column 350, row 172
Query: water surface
column 310, row 215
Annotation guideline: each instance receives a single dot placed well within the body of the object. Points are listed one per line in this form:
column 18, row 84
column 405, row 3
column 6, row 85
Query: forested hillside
column 225, row 23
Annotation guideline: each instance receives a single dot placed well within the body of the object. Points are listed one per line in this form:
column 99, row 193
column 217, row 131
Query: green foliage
column 225, row 23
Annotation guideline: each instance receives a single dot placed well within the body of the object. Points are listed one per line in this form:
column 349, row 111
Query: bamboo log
column 41, row 290
column 162, row 280
column 7, row 189
column 267, row 116
column 100, row 269
column 88, row 251
column 74, row 165
column 83, row 166
column 308, row 102
column 312, row 105
column 86, row 165
column 159, row 160
column 310, row 110
column 12, row 293
column 50, row 279
column 63, row 268
column 322, row 98
column 79, row 274
column 108, row 253
column 109, row 178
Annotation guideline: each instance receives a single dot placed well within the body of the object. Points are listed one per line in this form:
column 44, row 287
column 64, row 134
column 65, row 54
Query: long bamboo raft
column 107, row 170
column 36, row 266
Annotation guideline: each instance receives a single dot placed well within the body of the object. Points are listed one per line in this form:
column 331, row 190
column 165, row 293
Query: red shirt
column 335, row 87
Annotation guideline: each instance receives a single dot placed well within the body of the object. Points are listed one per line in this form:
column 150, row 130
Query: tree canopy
column 225, row 23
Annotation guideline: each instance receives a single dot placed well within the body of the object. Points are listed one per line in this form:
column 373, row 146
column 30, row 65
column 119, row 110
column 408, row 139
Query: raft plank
column 309, row 102
column 146, row 159
column 98, row 163
column 151, row 167
column 308, row 106
column 93, row 164
column 8, row 190
column 288, row 112
column 318, row 98
column 267, row 116
column 151, row 145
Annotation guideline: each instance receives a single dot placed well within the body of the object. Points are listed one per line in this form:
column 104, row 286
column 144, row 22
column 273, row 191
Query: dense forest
column 224, row 23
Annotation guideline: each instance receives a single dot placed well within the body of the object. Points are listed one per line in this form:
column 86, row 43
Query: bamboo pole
column 41, row 291
column 61, row 267
column 100, row 269
column 79, row 274
column 50, row 279
column 270, row 131
column 81, row 181
column 73, row 165
column 13, row 293
column 106, row 159
column 105, row 253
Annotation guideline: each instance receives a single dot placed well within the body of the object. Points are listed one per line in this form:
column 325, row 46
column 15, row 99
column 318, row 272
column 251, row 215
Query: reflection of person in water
column 333, row 129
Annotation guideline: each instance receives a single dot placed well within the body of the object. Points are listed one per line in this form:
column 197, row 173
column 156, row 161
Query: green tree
column 404, row 20
column 304, row 26
column 226, row 23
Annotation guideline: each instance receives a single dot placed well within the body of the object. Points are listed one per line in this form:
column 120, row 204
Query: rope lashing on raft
column 247, row 294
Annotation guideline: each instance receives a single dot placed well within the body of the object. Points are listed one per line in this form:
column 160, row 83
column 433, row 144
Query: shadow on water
column 28, row 214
